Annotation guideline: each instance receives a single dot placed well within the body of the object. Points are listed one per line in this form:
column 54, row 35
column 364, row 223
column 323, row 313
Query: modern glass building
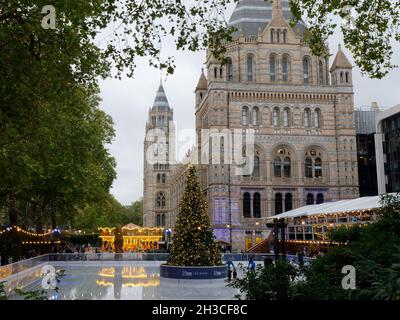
column 366, row 127
column 387, row 140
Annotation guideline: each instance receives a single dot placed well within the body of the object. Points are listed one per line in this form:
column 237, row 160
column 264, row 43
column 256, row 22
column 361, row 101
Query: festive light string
column 316, row 242
column 41, row 242
column 33, row 234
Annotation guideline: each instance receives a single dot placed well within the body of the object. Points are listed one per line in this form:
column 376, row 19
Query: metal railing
column 20, row 266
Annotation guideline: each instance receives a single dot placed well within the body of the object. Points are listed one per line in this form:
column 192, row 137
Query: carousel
column 136, row 238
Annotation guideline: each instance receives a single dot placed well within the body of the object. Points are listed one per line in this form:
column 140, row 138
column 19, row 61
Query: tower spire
column 161, row 101
column 277, row 7
column 277, row 4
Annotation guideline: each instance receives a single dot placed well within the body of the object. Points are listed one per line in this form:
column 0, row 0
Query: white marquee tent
column 342, row 206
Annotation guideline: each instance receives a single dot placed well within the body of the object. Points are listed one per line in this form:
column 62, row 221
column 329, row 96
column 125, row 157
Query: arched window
column 307, row 113
column 272, row 67
column 246, row 205
column 272, row 35
column 160, row 201
column 215, row 72
column 320, row 198
column 278, row 167
column 310, row 199
column 306, row 70
column 163, row 178
column 257, row 205
column 285, row 68
column 278, row 36
column 163, row 220
column 255, row 116
column 275, row 117
column 308, row 168
column 284, row 36
column 317, row 118
column 256, row 170
column 287, row 170
column 341, row 77
column 221, row 72
column 318, row 167
column 245, row 116
column 278, row 203
column 229, row 70
column 250, row 68
column 158, row 222
column 321, row 72
column 288, row 202
column 347, row 77
column 286, row 115
column 158, row 178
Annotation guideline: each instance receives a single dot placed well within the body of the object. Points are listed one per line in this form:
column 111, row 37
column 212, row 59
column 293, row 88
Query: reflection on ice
column 131, row 282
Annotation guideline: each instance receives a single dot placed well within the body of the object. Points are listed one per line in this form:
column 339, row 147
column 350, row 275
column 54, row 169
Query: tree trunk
column 14, row 246
column 53, row 213
column 39, row 216
column 12, row 210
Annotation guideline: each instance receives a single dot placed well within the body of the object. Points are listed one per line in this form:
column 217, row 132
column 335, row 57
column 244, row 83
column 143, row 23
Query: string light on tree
column 193, row 240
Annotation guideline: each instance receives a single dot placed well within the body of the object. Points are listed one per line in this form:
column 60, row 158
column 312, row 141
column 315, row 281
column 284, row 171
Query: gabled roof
column 341, row 61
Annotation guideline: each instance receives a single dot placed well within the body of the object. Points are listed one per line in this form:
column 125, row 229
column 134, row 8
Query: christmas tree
column 193, row 240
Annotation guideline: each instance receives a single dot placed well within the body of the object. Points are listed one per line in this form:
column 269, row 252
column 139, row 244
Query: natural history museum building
column 301, row 109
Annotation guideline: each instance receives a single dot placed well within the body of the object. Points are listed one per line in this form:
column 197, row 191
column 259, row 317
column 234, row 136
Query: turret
column 201, row 88
column 341, row 70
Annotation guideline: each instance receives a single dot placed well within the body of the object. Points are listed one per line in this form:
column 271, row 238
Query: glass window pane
column 308, row 168
column 278, row 167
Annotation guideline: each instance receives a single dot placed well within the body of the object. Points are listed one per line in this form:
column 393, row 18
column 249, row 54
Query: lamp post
column 279, row 227
column 167, row 236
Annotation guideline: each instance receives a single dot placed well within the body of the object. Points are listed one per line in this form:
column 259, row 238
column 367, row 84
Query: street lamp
column 279, row 244
column 167, row 236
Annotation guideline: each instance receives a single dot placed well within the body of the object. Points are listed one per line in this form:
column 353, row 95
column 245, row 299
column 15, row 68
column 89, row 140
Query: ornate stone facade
column 302, row 113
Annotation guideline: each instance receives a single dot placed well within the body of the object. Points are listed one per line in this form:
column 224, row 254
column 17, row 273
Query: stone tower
column 157, row 166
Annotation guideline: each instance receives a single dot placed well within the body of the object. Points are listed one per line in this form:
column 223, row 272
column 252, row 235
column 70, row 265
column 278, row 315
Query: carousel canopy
column 132, row 226
column 332, row 208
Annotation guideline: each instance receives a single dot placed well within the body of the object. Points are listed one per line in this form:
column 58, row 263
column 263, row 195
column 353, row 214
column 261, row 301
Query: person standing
column 234, row 273
column 300, row 258
column 229, row 274
column 252, row 265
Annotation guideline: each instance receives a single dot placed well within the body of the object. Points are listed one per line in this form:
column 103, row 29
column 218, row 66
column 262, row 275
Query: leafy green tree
column 370, row 29
column 63, row 163
column 273, row 282
column 108, row 212
column 193, row 240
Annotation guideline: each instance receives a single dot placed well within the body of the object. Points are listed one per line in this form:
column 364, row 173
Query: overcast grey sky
column 128, row 102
